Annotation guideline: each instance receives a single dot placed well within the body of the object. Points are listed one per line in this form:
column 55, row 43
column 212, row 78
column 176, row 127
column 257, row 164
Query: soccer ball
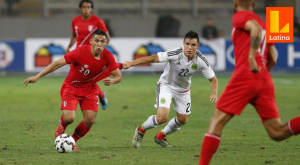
column 64, row 143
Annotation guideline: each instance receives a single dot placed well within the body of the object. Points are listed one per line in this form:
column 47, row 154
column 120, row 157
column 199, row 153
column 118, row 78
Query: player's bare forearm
column 143, row 60
column 117, row 77
column 255, row 41
column 50, row 68
column 72, row 42
column 255, row 35
column 214, row 89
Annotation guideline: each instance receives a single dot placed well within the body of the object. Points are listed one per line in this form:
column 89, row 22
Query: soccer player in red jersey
column 251, row 82
column 91, row 63
column 83, row 27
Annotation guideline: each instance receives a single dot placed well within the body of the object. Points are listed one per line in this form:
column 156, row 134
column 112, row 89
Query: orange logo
column 280, row 24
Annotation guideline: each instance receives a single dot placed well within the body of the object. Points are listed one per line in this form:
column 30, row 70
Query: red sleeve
column 101, row 25
column 72, row 57
column 73, row 27
column 239, row 19
column 112, row 65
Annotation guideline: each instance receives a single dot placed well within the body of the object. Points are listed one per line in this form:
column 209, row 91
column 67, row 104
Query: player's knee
column 89, row 122
column 69, row 119
column 277, row 136
column 182, row 121
column 161, row 120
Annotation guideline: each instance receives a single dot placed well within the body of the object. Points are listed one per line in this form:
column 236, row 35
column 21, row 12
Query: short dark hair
column 191, row 34
column 88, row 1
column 99, row 32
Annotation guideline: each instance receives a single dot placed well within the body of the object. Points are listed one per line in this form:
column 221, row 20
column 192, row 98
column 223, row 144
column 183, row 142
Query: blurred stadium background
column 51, row 18
column 29, row 25
column 34, row 33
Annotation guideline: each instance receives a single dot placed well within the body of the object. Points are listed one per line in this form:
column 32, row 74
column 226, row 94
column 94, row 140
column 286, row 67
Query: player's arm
column 117, row 77
column 72, row 42
column 143, row 60
column 50, row 68
column 271, row 58
column 255, row 34
column 214, row 89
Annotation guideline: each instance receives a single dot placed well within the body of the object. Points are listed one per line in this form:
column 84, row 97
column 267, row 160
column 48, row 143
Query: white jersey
column 179, row 71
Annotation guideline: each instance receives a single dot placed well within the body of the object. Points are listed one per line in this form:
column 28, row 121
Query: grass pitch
column 29, row 117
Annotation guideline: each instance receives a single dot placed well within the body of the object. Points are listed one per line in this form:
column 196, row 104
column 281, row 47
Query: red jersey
column 86, row 69
column 241, row 41
column 85, row 28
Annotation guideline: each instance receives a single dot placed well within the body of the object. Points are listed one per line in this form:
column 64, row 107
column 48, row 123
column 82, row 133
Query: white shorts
column 181, row 101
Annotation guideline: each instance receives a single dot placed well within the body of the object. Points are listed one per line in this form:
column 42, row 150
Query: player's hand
column 107, row 81
column 213, row 98
column 127, row 64
column 32, row 79
column 255, row 70
column 253, row 66
column 67, row 50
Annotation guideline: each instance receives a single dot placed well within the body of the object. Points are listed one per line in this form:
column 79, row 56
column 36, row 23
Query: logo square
column 280, row 24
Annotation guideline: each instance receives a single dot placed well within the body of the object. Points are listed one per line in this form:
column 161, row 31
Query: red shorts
column 87, row 97
column 259, row 92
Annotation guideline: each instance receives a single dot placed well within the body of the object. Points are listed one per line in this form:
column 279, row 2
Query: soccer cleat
column 103, row 101
column 60, row 130
column 162, row 142
column 137, row 138
column 75, row 148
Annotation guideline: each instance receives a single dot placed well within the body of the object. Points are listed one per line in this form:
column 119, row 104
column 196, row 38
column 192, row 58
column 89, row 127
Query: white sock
column 172, row 126
column 151, row 122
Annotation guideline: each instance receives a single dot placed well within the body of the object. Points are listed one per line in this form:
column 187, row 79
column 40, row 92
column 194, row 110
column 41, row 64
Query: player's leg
column 152, row 122
column 267, row 109
column 233, row 100
column 280, row 132
column 69, row 106
column 212, row 138
column 66, row 118
column 174, row 125
column 163, row 101
column 182, row 104
column 85, row 125
column 89, row 104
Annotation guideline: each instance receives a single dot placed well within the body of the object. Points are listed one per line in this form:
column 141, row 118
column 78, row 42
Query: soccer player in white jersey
column 174, row 84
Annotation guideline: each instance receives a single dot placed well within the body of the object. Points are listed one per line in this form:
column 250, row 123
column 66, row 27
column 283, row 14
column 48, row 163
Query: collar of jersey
column 187, row 60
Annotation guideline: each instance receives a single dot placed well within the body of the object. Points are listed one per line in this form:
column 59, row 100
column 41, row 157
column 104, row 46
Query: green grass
column 29, row 117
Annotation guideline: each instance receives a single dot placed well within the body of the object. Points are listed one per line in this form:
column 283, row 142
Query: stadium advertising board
column 288, row 56
column 41, row 52
column 11, row 56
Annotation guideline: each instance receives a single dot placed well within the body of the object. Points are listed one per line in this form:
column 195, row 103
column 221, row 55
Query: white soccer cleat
column 137, row 138
column 162, row 142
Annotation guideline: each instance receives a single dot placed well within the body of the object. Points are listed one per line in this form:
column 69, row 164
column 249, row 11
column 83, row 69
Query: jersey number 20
column 84, row 71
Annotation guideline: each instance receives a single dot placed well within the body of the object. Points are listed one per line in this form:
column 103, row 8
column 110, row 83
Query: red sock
column 209, row 147
column 80, row 131
column 294, row 126
column 160, row 136
column 62, row 122
column 141, row 130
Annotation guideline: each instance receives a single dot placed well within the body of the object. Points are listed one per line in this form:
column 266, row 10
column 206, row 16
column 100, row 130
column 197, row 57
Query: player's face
column 98, row 43
column 86, row 9
column 191, row 45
